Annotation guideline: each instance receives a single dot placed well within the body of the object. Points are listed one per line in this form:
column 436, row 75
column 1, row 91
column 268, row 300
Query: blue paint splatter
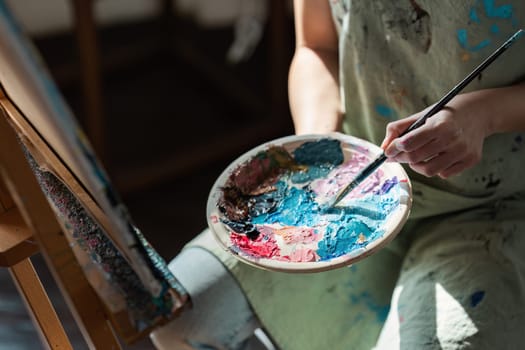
column 463, row 41
column 381, row 311
column 385, row 111
column 493, row 11
column 359, row 317
column 473, row 15
column 494, row 29
column 476, row 298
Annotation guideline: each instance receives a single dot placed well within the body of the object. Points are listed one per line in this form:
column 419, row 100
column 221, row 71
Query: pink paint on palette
column 327, row 188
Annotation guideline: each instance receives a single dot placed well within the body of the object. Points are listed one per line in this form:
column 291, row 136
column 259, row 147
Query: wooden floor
column 160, row 107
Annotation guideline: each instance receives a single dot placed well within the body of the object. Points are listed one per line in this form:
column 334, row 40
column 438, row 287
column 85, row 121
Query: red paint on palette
column 263, row 246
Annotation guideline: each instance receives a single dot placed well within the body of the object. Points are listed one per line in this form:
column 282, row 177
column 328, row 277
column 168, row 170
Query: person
column 454, row 278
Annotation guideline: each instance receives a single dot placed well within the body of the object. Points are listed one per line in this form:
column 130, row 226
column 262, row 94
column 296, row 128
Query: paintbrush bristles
column 369, row 169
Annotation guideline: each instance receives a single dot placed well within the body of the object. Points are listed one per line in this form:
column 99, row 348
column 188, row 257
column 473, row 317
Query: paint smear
column 273, row 203
column 476, row 298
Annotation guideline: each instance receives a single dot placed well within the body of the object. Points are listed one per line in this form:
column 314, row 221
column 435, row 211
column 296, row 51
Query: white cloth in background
column 248, row 18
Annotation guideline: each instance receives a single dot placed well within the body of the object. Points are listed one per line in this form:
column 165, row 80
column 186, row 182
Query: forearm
column 313, row 84
column 314, row 91
column 506, row 108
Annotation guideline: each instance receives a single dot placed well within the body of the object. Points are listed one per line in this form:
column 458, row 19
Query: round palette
column 270, row 207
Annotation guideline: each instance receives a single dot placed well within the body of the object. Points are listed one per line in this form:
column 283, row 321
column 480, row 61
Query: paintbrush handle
column 461, row 85
column 421, row 120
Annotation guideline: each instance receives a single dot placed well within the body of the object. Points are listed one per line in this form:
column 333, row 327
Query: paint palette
column 269, row 207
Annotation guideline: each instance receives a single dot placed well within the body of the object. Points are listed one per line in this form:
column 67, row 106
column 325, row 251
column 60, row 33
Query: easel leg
column 39, row 306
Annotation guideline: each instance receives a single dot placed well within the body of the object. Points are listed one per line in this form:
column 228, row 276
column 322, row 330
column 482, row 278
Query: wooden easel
column 28, row 224
column 16, row 247
column 34, row 122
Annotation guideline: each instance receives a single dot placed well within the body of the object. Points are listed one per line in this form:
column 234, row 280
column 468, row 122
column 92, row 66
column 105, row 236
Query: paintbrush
column 369, row 169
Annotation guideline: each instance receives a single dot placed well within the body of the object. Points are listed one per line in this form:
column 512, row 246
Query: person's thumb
column 396, row 128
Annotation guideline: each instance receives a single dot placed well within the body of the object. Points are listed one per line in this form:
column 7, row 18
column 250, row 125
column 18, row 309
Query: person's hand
column 449, row 142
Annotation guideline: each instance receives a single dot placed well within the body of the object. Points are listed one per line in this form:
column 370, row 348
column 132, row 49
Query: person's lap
column 299, row 311
column 462, row 283
column 460, row 287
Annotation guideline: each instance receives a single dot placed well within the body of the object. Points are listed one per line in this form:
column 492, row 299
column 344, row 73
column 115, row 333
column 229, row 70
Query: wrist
column 487, row 111
column 503, row 108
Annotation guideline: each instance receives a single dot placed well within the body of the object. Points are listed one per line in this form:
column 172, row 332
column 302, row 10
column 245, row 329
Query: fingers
column 436, row 164
column 446, row 164
column 394, row 129
column 418, row 150
column 398, row 152
column 434, row 137
column 446, row 144
column 454, row 169
column 460, row 166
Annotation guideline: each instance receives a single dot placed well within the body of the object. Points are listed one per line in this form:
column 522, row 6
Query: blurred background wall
column 42, row 18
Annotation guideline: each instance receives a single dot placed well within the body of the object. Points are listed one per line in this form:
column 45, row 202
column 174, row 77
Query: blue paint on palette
column 347, row 226
column 320, row 157
column 339, row 237
column 296, row 208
